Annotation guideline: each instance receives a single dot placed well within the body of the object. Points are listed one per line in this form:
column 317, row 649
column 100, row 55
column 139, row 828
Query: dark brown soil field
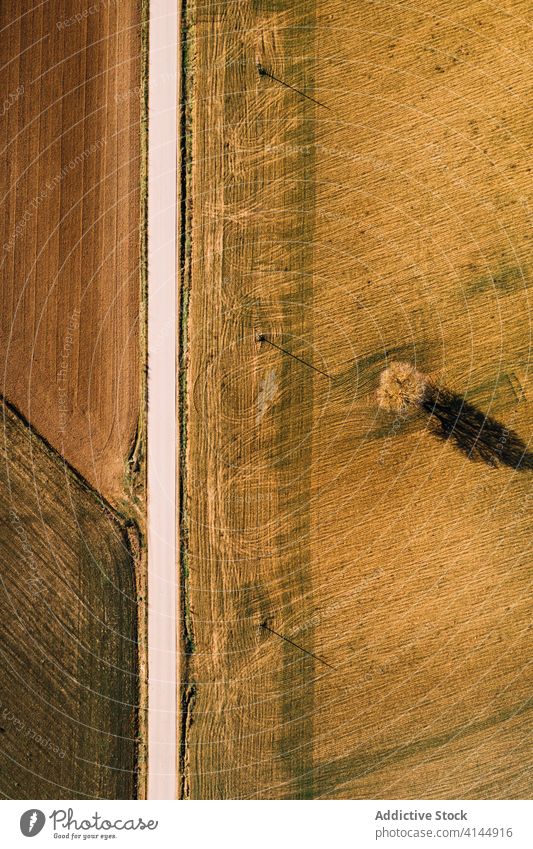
column 72, row 646
column 356, row 594
column 68, row 641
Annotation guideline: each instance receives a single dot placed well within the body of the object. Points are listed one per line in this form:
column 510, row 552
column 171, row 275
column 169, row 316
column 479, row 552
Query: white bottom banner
column 270, row 825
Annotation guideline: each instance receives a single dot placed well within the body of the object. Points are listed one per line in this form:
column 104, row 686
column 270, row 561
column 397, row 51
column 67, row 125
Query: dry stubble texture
column 393, row 225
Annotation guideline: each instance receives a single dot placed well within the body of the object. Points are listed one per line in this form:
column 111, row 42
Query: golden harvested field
column 378, row 210
column 72, row 676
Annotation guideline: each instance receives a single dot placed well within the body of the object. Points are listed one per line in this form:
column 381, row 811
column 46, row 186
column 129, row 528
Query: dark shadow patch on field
column 504, row 281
